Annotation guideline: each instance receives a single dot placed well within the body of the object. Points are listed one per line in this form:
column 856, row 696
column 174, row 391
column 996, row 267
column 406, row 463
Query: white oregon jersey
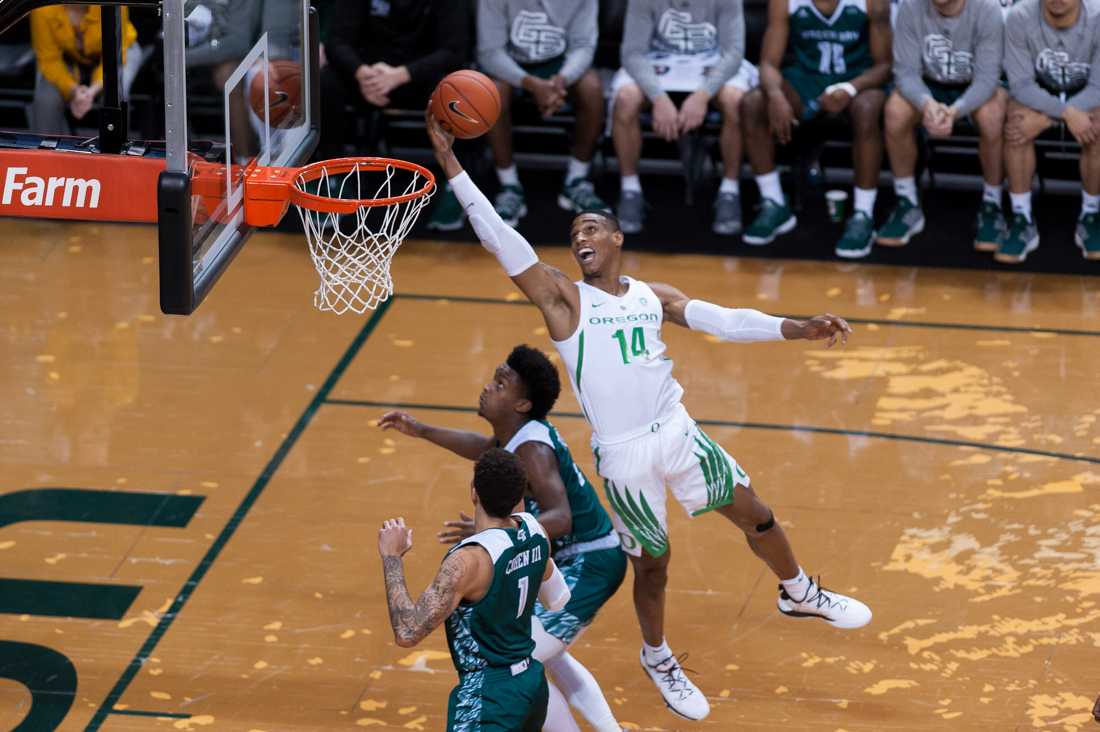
column 616, row 362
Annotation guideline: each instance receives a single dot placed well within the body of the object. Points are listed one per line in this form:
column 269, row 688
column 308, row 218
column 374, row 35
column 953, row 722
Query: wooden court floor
column 189, row 515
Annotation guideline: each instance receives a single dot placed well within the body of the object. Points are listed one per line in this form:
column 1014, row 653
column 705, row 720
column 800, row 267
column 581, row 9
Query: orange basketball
column 284, row 79
column 466, row 103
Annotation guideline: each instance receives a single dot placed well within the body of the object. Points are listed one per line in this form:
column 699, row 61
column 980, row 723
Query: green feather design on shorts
column 639, row 518
column 716, row 473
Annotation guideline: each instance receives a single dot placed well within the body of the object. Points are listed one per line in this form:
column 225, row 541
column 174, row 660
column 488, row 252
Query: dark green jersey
column 838, row 47
column 495, row 632
column 590, row 520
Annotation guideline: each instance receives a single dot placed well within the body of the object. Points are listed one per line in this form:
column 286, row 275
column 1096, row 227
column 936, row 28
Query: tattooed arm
column 414, row 621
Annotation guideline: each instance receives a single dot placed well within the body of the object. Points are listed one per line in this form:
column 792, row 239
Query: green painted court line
column 760, row 426
column 855, row 321
column 143, row 713
column 107, row 707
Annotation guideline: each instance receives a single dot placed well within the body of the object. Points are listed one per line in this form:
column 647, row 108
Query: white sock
column 906, row 188
column 577, row 169
column 631, row 183
column 1090, row 204
column 770, row 188
column 730, row 185
column 656, row 654
column 558, row 716
column 992, row 194
column 865, row 201
column 798, row 587
column 583, row 692
column 508, row 176
column 1021, row 203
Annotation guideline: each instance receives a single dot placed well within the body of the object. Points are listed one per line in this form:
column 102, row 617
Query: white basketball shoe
column 834, row 608
column 680, row 695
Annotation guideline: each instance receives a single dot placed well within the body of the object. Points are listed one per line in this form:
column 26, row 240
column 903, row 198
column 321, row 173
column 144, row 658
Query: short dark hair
column 607, row 216
column 539, row 377
column 499, row 480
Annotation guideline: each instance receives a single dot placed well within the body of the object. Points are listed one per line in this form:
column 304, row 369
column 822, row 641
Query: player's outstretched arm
column 544, row 481
column 746, row 325
column 413, row 621
column 551, row 291
column 465, row 444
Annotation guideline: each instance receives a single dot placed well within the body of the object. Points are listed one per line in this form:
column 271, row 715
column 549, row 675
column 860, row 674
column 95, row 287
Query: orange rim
column 336, row 166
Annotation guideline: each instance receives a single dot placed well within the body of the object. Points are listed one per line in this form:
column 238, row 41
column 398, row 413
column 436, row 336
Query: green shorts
column 545, row 69
column 494, row 700
column 592, row 577
column 945, row 94
column 810, row 86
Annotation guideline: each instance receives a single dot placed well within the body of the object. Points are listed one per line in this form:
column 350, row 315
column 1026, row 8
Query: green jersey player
column 485, row 591
column 515, row 403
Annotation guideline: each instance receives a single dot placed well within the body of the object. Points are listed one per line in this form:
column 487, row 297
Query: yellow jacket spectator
column 68, row 47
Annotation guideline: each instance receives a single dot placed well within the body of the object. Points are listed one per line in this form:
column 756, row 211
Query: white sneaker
column 681, row 696
column 834, row 608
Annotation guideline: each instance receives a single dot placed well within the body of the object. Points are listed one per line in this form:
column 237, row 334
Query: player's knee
column 990, row 118
column 753, row 108
column 628, row 104
column 504, row 89
column 588, row 89
column 900, row 116
column 867, row 110
column 650, row 570
column 729, row 104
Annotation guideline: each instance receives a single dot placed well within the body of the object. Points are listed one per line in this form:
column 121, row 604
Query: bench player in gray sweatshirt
column 543, row 48
column 947, row 65
column 694, row 49
column 1052, row 59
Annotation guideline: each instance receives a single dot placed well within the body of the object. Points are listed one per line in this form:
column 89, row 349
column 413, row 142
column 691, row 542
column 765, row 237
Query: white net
column 352, row 252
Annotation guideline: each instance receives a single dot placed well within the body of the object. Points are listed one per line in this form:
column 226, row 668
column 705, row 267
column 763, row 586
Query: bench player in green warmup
column 515, row 403
column 607, row 329
column 485, row 592
column 819, row 56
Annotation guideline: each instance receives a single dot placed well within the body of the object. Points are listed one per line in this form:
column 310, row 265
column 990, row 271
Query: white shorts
column 677, row 454
column 684, row 72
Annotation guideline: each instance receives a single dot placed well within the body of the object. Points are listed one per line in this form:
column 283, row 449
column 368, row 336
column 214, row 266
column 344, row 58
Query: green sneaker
column 510, row 204
column 903, row 223
column 991, row 228
column 447, row 213
column 1021, row 239
column 1088, row 235
column 774, row 219
column 578, row 195
column 858, row 238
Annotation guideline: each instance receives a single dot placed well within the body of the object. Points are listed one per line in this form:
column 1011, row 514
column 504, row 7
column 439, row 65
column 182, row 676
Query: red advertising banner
column 46, row 184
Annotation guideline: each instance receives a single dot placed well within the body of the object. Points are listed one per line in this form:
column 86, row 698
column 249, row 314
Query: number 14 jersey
column 616, row 362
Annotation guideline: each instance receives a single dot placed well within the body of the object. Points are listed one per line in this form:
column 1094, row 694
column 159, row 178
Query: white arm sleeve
column 742, row 325
column 553, row 592
column 499, row 239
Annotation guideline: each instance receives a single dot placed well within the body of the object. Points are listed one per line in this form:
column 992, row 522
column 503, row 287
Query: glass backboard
column 241, row 90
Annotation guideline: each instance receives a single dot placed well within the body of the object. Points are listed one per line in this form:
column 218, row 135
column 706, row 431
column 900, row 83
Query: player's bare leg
column 727, row 206
column 509, row 202
column 626, row 134
column 681, row 696
column 775, row 217
column 906, row 220
column 990, row 119
column 577, row 192
column 864, row 111
column 1022, row 126
column 800, row 596
column 1087, row 235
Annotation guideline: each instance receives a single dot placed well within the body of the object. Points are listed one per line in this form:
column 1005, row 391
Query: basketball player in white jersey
column 607, row 329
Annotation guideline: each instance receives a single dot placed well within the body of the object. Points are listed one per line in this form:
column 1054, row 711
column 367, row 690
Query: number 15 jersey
column 616, row 362
column 836, row 48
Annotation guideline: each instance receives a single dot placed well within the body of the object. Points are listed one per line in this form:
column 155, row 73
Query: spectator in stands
column 68, row 48
column 391, row 53
column 219, row 35
column 819, row 57
column 1052, row 59
column 543, row 49
column 947, row 65
column 694, row 50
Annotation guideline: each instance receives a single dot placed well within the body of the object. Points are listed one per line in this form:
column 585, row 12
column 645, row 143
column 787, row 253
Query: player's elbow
column 405, row 639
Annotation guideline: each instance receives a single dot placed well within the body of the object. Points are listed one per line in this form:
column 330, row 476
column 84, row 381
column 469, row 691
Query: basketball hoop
column 356, row 212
